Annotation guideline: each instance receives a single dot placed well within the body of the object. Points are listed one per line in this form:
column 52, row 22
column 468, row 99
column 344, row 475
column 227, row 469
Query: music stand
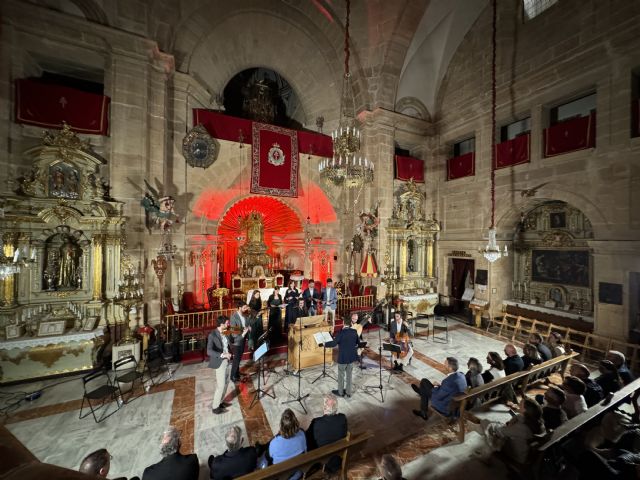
column 391, row 348
column 379, row 387
column 258, row 356
column 324, row 363
column 300, row 397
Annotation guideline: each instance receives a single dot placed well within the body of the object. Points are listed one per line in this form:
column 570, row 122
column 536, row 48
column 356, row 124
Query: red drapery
column 513, row 152
column 274, row 169
column 49, row 105
column 461, row 166
column 234, row 129
column 409, row 167
column 570, row 135
column 635, row 118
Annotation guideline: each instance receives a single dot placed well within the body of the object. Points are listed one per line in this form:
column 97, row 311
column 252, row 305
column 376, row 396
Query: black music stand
column 300, row 397
column 391, row 348
column 369, row 388
column 324, row 372
column 258, row 356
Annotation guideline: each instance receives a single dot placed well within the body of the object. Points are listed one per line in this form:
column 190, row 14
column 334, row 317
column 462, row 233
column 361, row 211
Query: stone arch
column 406, row 104
column 92, row 11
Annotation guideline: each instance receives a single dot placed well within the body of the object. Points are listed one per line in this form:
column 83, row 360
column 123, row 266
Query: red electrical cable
column 493, row 117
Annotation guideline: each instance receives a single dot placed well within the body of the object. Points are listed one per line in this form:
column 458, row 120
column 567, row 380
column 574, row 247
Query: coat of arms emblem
column 276, row 155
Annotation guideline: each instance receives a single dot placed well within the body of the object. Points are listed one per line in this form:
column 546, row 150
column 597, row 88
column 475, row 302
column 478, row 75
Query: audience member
column 544, row 351
column 474, row 374
column 574, row 403
column 98, row 463
column 329, row 428
column 440, row 395
column 555, row 344
column 512, row 362
column 619, row 360
column 609, row 378
column 389, row 468
column 552, row 413
column 290, row 440
column 531, row 356
column 174, row 465
column 236, row 460
column 593, row 393
column 496, row 368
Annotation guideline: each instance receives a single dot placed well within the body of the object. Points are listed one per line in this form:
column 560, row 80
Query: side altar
column 310, row 353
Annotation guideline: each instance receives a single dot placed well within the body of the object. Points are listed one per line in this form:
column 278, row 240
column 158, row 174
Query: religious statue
column 159, row 211
column 255, row 228
column 411, row 248
column 254, row 251
column 69, row 259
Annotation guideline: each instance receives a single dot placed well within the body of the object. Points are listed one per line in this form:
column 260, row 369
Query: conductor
column 347, row 343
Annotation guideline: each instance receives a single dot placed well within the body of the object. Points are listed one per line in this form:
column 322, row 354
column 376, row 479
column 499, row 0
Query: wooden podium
column 311, row 353
column 478, row 307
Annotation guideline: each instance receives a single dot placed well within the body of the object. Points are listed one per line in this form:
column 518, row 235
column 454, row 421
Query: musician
column 312, row 296
column 239, row 321
column 399, row 335
column 301, row 309
column 219, row 356
column 255, row 319
column 291, row 299
column 347, row 343
column 275, row 314
column 330, row 303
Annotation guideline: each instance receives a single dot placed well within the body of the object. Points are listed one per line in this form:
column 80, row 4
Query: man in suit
column 239, row 322
column 98, row 463
column 512, row 362
column 440, row 395
column 544, row 351
column 330, row 302
column 173, row 466
column 219, row 356
column 301, row 309
column 398, row 330
column 311, row 296
column 236, row 461
column 329, row 428
column 347, row 343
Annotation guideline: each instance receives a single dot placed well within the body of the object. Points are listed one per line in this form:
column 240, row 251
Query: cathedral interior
column 471, row 165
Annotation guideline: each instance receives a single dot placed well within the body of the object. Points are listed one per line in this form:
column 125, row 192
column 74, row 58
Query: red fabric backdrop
column 570, row 135
column 409, row 167
column 513, row 152
column 274, row 169
column 635, row 118
column 462, row 166
column 48, row 105
column 226, row 127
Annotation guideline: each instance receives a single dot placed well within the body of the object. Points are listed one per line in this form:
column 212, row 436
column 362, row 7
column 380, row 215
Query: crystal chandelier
column 347, row 167
column 492, row 251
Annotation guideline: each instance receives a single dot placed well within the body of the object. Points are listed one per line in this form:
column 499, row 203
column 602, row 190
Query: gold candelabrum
column 130, row 294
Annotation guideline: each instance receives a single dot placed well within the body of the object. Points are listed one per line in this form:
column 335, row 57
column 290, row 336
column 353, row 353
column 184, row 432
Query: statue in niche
column 69, row 259
column 255, row 228
column 411, row 254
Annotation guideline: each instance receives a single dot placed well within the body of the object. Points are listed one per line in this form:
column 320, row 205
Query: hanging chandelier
column 492, row 251
column 347, row 167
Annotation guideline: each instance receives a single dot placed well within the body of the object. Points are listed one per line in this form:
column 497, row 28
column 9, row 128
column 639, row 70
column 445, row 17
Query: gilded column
column 403, row 258
column 430, row 258
column 9, row 283
column 98, row 245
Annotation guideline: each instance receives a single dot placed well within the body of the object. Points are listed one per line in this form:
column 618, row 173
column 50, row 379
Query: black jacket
column 325, row 430
column 174, row 467
column 347, row 342
column 233, row 464
column 513, row 364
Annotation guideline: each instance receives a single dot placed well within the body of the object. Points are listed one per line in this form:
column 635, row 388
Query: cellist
column 399, row 335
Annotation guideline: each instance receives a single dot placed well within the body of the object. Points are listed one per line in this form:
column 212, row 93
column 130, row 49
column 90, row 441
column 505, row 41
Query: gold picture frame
column 55, row 327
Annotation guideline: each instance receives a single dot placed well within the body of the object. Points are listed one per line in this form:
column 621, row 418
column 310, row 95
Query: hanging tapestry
column 274, row 169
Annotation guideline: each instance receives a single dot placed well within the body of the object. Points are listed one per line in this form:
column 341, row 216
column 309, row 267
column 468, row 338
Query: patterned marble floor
column 50, row 427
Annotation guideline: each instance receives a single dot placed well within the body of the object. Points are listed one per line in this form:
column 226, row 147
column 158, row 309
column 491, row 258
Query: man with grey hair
column 236, row 461
column 174, row 465
column 440, row 395
column 329, row 428
column 619, row 360
column 389, row 468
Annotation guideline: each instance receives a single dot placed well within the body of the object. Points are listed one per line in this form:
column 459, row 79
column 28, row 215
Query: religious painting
column 610, row 293
column 64, row 181
column 564, row 267
column 558, row 220
column 556, row 295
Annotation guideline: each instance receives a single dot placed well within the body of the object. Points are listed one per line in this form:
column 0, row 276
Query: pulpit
column 310, row 354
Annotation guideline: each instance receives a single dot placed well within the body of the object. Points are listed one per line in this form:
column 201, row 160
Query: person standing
column 255, row 319
column 291, row 299
column 219, row 356
column 347, row 343
column 312, row 297
column 275, row 315
column 330, row 303
column 239, row 322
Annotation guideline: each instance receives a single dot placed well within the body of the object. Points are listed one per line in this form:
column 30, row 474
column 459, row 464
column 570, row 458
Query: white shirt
column 225, row 343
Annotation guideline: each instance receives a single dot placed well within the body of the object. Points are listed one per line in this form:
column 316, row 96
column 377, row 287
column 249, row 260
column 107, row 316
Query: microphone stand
column 299, row 398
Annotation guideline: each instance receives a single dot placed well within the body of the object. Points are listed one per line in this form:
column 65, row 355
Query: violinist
column 399, row 335
column 219, row 356
column 240, row 321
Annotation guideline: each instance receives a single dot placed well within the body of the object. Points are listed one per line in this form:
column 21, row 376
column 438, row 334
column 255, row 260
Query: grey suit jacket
column 215, row 349
column 236, row 321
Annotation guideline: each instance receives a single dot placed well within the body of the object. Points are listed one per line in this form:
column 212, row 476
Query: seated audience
column 574, row 403
column 619, row 360
column 174, row 465
column 512, row 362
column 440, row 395
column 496, row 367
column 98, row 463
column 329, row 428
column 290, row 440
column 593, row 393
column 609, row 378
column 552, row 413
column 474, row 374
column 236, row 460
column 555, row 344
column 544, row 351
column 531, row 356
column 389, row 468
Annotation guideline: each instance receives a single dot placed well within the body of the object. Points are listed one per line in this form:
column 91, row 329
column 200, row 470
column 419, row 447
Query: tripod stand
column 324, row 366
column 258, row 356
column 370, row 388
column 300, row 397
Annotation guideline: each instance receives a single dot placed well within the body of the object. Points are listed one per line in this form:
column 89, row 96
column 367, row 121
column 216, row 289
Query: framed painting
column 55, row 327
column 564, row 267
column 610, row 293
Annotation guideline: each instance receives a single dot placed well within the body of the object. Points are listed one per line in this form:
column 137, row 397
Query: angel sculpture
column 159, row 211
column 369, row 223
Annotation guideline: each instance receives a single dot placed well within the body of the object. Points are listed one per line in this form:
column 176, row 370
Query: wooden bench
column 497, row 389
column 303, row 462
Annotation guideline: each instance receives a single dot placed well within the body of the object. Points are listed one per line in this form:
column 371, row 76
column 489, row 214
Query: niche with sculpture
column 63, row 260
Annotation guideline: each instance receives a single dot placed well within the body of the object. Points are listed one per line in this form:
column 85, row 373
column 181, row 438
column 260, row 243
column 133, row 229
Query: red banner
column 49, row 105
column 234, row 129
column 462, row 166
column 274, row 169
column 635, row 118
column 513, row 152
column 571, row 135
column 408, row 168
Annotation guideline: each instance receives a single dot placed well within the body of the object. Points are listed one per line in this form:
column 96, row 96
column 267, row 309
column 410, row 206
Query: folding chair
column 442, row 327
column 126, row 371
column 97, row 386
column 156, row 363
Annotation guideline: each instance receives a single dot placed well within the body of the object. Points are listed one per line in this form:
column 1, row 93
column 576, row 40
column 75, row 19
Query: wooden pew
column 495, row 390
column 303, row 462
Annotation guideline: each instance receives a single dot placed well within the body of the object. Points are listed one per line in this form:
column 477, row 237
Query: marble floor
column 50, row 428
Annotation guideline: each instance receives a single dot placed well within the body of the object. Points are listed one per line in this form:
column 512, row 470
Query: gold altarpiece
column 62, row 218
